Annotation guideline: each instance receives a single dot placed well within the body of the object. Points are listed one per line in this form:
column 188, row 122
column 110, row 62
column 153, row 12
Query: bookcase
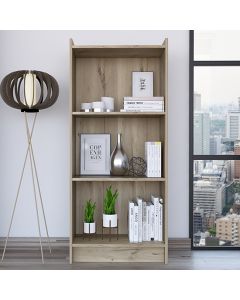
column 97, row 71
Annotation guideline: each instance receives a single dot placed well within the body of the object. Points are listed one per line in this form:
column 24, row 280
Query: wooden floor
column 27, row 257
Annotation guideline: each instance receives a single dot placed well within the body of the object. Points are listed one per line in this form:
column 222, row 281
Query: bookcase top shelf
column 116, row 178
column 117, row 114
column 115, row 51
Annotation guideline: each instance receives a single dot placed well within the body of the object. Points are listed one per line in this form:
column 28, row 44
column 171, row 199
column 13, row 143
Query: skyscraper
column 237, row 162
column 233, row 123
column 201, row 133
column 228, row 229
column 197, row 102
column 215, row 145
column 197, row 219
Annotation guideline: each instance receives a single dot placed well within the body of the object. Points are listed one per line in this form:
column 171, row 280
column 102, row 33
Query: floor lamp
column 29, row 91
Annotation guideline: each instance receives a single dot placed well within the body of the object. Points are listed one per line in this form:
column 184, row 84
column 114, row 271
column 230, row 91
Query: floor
column 28, row 258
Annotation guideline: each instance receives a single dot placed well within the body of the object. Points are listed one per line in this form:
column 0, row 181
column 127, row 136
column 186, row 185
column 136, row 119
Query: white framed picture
column 95, row 154
column 142, row 84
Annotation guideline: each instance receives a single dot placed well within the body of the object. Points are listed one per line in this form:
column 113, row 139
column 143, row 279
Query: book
column 144, row 221
column 156, row 203
column 135, row 223
column 151, row 231
column 148, row 237
column 143, row 98
column 161, row 220
column 140, row 219
column 141, row 110
column 130, row 220
column 153, row 159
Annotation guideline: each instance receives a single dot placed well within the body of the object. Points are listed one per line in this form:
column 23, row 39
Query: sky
column 217, row 85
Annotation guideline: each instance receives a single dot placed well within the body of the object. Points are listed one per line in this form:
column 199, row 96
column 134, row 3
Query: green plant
column 89, row 211
column 110, row 201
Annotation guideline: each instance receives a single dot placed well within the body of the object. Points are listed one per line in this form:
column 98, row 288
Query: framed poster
column 95, row 154
column 142, row 84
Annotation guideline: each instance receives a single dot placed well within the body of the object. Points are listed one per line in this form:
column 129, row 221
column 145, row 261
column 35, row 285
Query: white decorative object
column 142, row 84
column 109, row 220
column 87, row 107
column 30, row 88
column 108, row 103
column 98, row 106
column 95, row 154
column 89, row 227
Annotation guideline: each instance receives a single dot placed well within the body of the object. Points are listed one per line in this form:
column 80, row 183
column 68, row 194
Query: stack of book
column 153, row 157
column 145, row 220
column 143, row 104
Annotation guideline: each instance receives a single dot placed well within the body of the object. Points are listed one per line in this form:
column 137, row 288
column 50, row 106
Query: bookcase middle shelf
column 117, row 179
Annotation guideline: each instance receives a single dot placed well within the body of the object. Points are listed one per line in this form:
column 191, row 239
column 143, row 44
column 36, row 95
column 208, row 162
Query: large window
column 214, row 164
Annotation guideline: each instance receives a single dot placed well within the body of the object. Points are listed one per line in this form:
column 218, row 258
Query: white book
column 143, row 98
column 161, row 221
column 135, row 223
column 130, row 220
column 151, row 231
column 156, row 203
column 155, row 158
column 141, row 110
column 140, row 219
column 159, row 159
column 148, row 233
column 143, row 103
column 144, row 221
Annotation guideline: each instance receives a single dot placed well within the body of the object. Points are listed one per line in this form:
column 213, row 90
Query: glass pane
column 216, row 203
column 217, row 45
column 216, row 110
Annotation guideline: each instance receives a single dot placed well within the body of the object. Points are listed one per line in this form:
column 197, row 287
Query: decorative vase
column 119, row 159
column 89, row 227
column 109, row 220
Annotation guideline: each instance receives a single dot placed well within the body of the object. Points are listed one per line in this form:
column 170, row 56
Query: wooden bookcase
column 97, row 71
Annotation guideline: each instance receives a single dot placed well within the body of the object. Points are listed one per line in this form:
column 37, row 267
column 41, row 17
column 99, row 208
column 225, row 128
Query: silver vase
column 119, row 159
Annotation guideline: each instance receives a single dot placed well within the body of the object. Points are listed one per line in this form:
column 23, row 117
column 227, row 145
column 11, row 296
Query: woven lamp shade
column 29, row 91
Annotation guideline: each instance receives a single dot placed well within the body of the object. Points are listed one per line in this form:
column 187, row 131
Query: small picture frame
column 142, row 84
column 95, row 154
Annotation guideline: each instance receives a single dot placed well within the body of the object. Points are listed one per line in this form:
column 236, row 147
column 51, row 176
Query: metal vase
column 119, row 159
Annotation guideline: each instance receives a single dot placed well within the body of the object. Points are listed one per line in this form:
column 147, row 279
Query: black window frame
column 192, row 157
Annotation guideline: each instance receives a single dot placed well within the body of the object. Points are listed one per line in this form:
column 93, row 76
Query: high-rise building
column 197, row 219
column 201, row 133
column 228, row 229
column 237, row 162
column 215, row 145
column 197, row 102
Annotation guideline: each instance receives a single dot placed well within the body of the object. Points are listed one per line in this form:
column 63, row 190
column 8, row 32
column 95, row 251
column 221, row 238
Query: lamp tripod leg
column 34, row 188
column 39, row 191
column 18, row 190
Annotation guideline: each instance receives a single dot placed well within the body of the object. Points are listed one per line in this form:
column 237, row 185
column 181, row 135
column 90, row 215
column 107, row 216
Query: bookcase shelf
column 97, row 71
column 115, row 178
column 117, row 114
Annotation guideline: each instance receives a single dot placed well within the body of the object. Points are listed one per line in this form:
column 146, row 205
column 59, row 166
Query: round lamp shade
column 29, row 91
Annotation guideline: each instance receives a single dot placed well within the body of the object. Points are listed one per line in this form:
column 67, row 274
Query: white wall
column 49, row 51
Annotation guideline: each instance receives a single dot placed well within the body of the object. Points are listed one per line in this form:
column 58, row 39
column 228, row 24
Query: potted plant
column 109, row 213
column 89, row 224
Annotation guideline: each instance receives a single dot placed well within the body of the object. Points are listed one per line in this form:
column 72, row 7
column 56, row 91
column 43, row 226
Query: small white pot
column 109, row 220
column 89, row 227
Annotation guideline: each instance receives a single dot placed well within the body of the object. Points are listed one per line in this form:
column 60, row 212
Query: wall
column 49, row 51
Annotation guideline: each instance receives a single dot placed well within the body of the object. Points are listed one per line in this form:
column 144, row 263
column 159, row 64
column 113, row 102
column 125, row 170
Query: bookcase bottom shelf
column 98, row 250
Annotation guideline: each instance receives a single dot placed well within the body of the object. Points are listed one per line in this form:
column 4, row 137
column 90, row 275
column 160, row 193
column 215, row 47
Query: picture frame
column 142, row 84
column 95, row 154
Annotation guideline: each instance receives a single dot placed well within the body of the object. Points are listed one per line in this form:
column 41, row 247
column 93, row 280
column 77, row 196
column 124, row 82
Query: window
column 214, row 159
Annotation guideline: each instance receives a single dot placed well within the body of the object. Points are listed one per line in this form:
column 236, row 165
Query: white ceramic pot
column 108, row 103
column 109, row 220
column 89, row 227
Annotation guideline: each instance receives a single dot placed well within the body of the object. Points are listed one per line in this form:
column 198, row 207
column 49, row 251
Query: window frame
column 192, row 157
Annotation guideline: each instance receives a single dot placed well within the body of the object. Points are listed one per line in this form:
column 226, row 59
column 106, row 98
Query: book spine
column 151, row 222
column 139, row 103
column 155, row 202
column 143, row 98
column 144, row 225
column 130, row 221
column 141, row 110
column 148, row 237
column 140, row 220
column 135, row 224
column 159, row 155
column 161, row 222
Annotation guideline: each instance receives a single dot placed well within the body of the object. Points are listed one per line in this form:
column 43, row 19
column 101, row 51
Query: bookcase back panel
column 135, row 132
column 127, row 191
column 97, row 77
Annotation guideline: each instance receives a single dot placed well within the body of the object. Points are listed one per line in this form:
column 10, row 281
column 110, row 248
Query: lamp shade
column 29, row 91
